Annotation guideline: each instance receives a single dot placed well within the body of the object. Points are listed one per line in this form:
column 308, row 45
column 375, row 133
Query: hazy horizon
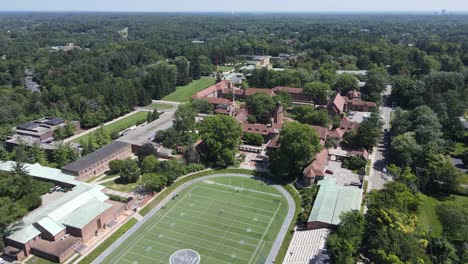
column 240, row 6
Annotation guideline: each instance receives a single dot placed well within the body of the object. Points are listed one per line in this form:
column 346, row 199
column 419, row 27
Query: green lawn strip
column 183, row 93
column 115, row 185
column 287, row 239
column 159, row 106
column 89, row 180
column 119, row 125
column 109, row 241
column 38, row 260
column 365, row 185
column 428, row 216
column 225, row 68
column 368, row 167
column 164, row 193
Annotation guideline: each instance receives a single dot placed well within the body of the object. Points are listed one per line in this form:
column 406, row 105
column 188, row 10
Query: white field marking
column 155, row 250
column 250, row 190
column 209, row 182
column 263, row 245
column 190, row 246
column 146, row 257
column 225, row 212
column 210, row 234
column 225, row 201
column 217, row 229
column 266, row 230
column 229, row 218
column 134, row 242
column 129, row 261
column 230, row 208
column 215, row 190
column 210, row 241
column 174, row 249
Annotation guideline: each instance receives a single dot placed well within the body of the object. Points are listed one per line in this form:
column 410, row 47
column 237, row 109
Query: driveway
column 343, row 176
column 147, row 132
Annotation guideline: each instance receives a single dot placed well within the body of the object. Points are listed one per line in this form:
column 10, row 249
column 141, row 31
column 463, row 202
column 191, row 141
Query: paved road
column 274, row 249
column 174, row 106
column 377, row 178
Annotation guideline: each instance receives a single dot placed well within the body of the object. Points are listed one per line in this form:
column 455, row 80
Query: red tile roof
column 217, row 101
column 290, row 90
column 242, row 115
column 354, row 94
column 336, row 133
column 321, row 132
column 251, row 91
column 347, row 124
column 338, row 103
column 362, row 152
column 359, row 102
column 212, row 90
column 274, row 143
column 257, row 129
column 317, row 167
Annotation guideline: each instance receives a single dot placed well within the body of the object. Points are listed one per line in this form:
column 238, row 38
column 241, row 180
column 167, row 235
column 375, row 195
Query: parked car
column 355, row 183
column 382, row 117
column 384, row 170
column 329, row 172
column 2, row 261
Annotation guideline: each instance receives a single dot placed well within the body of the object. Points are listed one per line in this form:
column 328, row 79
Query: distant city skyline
column 452, row 6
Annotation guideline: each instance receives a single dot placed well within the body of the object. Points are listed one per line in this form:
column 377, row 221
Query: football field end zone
column 274, row 249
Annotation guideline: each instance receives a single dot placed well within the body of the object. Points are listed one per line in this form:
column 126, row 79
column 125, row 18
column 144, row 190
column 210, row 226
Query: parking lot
column 358, row 116
column 343, row 176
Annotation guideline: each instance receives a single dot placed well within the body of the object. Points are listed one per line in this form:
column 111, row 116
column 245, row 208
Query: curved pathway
column 276, row 245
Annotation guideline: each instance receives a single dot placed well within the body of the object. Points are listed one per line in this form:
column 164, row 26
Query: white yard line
column 266, row 230
column 228, row 218
column 216, row 190
column 250, row 190
column 238, row 205
column 146, row 257
column 217, row 229
column 130, row 245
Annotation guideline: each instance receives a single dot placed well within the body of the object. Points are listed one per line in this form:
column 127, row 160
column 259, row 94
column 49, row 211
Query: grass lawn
column 182, row 93
column 38, row 260
column 159, row 106
column 109, row 241
column 225, row 68
column 120, row 125
column 116, row 185
column 225, row 219
column 428, row 213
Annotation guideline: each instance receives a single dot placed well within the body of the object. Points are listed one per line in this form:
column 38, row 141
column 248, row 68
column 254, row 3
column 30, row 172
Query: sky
column 236, row 5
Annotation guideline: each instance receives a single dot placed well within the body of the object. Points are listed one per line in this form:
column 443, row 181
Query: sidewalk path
column 276, row 245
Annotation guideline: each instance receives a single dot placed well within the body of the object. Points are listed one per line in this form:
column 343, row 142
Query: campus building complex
column 98, row 162
column 64, row 221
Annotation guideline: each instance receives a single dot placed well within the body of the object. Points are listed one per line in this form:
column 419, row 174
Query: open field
column 182, row 93
column 119, row 125
column 428, row 213
column 158, row 106
column 121, row 187
column 225, row 219
column 225, row 68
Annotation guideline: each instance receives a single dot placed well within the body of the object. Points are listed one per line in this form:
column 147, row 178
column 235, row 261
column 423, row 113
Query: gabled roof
column 336, row 133
column 42, row 172
column 217, row 101
column 332, row 200
column 252, row 91
column 337, row 104
column 359, row 102
column 317, row 167
column 347, row 124
column 287, row 89
column 96, row 156
column 257, row 129
column 321, row 132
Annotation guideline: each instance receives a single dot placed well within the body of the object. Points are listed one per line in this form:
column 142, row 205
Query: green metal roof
column 84, row 214
column 50, row 225
column 42, row 172
column 332, row 200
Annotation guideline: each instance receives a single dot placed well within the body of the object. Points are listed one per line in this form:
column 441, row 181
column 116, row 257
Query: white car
column 382, row 116
column 384, row 170
column 2, row 261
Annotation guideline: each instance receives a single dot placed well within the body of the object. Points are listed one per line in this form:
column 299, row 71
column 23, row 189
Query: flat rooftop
column 332, row 200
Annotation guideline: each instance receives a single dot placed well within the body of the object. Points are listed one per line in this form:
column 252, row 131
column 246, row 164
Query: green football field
column 225, row 219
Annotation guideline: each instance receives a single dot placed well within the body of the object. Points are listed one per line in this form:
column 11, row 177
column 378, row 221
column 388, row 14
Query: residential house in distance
column 316, row 170
column 98, row 161
column 258, row 61
column 338, row 105
column 67, row 47
column 331, row 201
